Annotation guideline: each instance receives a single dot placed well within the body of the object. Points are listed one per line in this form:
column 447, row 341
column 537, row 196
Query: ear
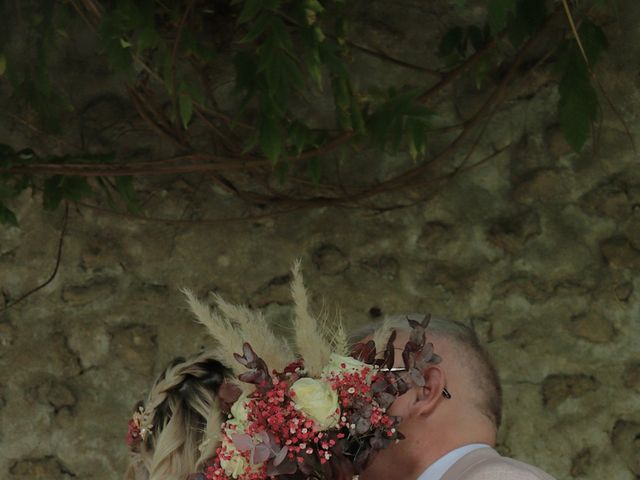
column 430, row 396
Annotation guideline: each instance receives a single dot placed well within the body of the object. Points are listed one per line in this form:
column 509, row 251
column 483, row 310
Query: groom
column 450, row 424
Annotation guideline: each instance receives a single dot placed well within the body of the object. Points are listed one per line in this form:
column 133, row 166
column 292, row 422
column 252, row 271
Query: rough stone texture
column 620, row 253
column 631, row 376
column 558, row 388
column 592, row 327
column 626, row 440
column 538, row 250
column 41, row 468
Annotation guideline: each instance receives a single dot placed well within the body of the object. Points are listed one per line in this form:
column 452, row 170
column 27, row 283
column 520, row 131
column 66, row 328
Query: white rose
column 339, row 363
column 239, row 409
column 317, row 400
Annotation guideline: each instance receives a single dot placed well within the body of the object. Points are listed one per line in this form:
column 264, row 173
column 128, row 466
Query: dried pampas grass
column 255, row 330
column 228, row 337
column 310, row 340
column 233, row 325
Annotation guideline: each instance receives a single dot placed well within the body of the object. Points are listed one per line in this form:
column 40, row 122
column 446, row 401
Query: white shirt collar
column 437, row 469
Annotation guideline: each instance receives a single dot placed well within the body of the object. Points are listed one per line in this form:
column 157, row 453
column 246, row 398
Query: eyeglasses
column 445, row 392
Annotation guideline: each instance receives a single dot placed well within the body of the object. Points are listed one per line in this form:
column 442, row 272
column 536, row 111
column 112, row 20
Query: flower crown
column 320, row 413
column 139, row 427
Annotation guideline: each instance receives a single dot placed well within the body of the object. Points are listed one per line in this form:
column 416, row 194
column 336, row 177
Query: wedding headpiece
column 139, row 427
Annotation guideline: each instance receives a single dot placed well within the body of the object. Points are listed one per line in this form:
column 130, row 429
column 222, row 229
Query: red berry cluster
column 216, row 472
column 354, row 391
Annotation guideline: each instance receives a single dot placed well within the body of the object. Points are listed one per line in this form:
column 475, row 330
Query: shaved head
column 462, row 353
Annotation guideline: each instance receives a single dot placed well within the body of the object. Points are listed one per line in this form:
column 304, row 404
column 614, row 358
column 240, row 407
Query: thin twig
column 397, row 61
column 494, row 99
column 205, row 221
column 63, row 232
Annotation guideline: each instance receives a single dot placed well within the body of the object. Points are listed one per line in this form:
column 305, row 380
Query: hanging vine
column 286, row 54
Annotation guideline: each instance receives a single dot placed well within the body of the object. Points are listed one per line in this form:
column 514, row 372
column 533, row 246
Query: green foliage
column 498, row 12
column 401, row 118
column 7, row 217
column 578, row 104
column 289, row 57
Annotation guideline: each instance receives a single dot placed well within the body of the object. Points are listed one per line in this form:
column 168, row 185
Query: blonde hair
column 183, row 418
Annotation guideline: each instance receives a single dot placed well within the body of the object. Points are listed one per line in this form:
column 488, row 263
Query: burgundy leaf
column 248, row 352
column 363, row 425
column 228, row 393
column 402, row 386
column 385, row 399
column 365, row 352
column 414, row 323
column 287, row 467
column 380, row 385
column 240, row 359
column 341, row 468
column 242, row 442
column 252, row 376
column 417, row 377
column 260, row 454
column 417, row 337
column 390, row 351
column 282, row 454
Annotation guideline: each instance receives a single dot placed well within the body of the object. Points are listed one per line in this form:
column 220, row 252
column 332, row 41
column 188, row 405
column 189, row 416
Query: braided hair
column 180, row 412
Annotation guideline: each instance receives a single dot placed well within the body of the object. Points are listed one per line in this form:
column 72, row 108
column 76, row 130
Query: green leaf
column 529, row 17
column 299, row 136
column 107, row 191
column 246, row 71
column 257, row 29
column 249, row 10
column 341, row 93
column 7, row 217
column 476, row 37
column 451, row 42
column 482, row 71
column 498, row 13
column 282, row 170
column 53, row 193
column 314, row 6
column 359, row 125
column 270, row 138
column 313, row 167
column 292, row 74
column 593, row 40
column 147, row 38
column 185, row 105
column 124, row 186
column 3, row 64
column 281, row 36
column 578, row 104
column 75, row 188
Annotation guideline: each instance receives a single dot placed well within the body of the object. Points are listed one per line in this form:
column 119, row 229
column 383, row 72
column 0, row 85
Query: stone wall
column 538, row 250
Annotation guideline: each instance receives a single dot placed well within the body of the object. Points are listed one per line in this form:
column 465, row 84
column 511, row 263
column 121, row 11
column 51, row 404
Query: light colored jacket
column 487, row 464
